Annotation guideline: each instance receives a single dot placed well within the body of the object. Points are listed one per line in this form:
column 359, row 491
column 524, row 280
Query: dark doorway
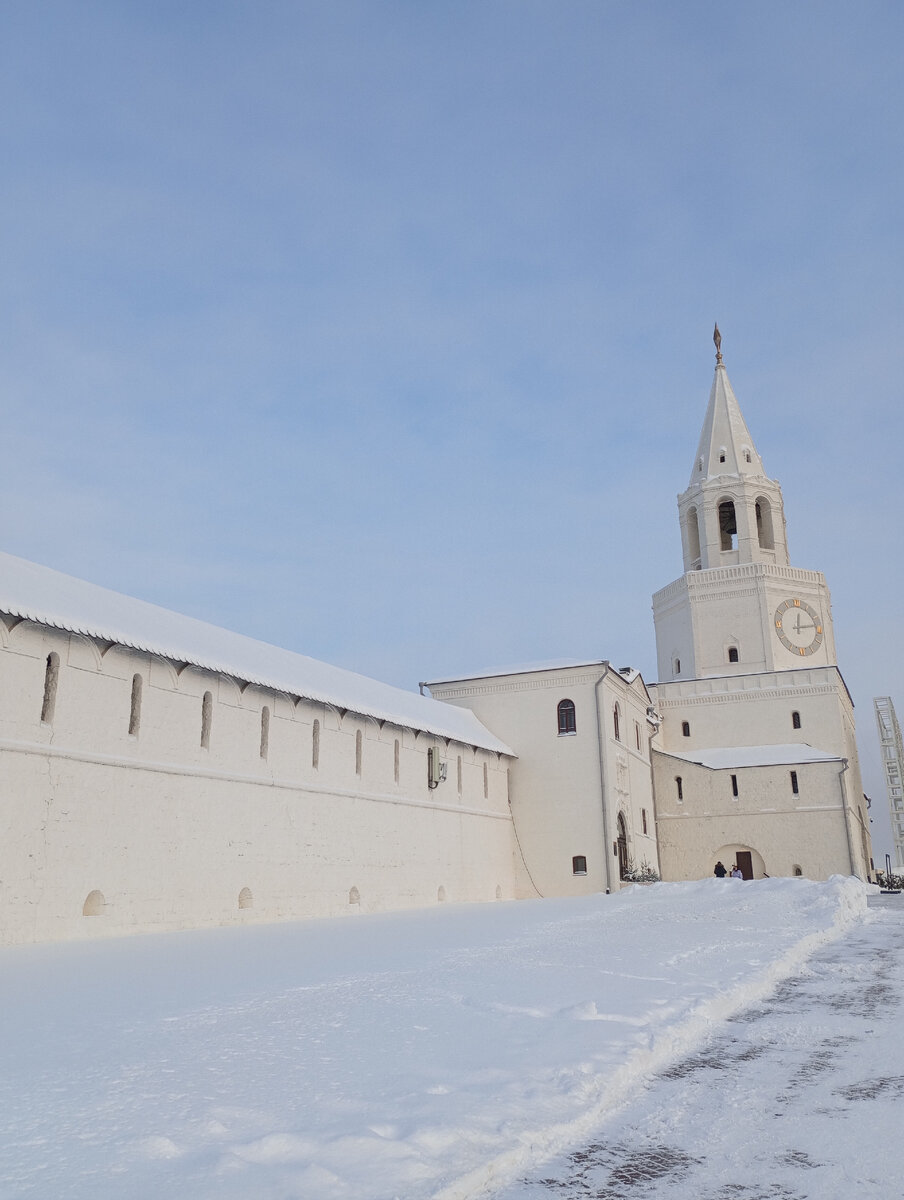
column 745, row 863
column 622, row 848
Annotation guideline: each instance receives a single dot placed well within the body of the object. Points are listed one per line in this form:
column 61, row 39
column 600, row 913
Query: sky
column 381, row 331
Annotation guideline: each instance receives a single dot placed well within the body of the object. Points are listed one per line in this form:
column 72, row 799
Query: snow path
column 411, row 1055
column 797, row 1098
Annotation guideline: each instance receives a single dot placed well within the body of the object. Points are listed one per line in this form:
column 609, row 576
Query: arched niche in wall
column 94, row 905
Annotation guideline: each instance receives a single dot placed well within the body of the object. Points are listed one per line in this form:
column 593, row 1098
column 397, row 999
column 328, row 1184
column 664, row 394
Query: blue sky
column 382, row 330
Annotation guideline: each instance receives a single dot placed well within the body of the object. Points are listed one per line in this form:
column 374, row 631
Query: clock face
column 798, row 627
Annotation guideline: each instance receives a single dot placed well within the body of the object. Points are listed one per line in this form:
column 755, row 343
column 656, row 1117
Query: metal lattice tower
column 893, row 760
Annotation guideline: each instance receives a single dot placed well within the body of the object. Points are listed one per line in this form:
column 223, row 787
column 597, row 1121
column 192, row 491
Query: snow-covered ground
column 431, row 1054
column 796, row 1098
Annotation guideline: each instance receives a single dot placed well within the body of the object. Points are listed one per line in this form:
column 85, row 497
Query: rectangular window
column 395, row 761
column 458, row 768
column 734, row 786
column 265, row 732
column 486, row 782
column 579, row 865
column 51, row 679
column 637, row 733
column 135, row 709
column 679, row 788
column 206, row 719
column 643, row 819
column 794, row 782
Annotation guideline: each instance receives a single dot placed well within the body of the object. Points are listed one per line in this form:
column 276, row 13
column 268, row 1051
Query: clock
column 798, row 627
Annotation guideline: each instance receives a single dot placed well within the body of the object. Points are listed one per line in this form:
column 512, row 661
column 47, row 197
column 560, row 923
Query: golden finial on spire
column 717, row 338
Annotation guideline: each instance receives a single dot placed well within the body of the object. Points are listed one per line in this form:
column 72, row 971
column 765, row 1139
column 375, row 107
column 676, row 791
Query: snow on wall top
column 629, row 674
column 51, row 598
column 723, row 757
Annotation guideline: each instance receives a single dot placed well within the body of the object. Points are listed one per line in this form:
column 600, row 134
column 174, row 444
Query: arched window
column 246, row 900
column 51, row 679
column 693, row 538
column 764, row 531
column 732, row 654
column 354, row 896
column 567, row 723
column 796, row 871
column 676, row 666
column 616, row 723
column 206, row 719
column 441, row 894
column 679, row 788
column 685, row 729
column 795, row 720
column 265, row 731
column 794, row 790
column 135, row 707
column 728, row 525
column 579, row 864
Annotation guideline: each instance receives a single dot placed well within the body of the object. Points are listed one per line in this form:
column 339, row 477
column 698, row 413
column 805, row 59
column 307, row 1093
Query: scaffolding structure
column 892, row 751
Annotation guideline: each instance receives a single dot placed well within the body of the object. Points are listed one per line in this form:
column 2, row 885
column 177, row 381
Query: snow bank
column 435, row 1054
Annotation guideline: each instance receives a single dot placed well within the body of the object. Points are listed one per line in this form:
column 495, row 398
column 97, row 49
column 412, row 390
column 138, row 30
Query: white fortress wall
column 156, row 795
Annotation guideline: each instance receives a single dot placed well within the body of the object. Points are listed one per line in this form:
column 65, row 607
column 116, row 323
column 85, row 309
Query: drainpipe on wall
column 599, row 742
column 844, row 811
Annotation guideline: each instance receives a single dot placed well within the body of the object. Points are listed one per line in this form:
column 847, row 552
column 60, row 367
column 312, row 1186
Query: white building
column 159, row 773
column 581, row 787
column 756, row 759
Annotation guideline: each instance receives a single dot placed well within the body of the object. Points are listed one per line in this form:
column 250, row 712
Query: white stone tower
column 756, row 756
column 723, row 614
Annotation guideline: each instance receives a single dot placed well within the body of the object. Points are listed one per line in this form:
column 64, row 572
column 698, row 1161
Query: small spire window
column 732, row 654
column 795, row 720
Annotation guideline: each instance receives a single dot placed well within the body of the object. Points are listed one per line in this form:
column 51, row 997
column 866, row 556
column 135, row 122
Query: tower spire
column 717, row 339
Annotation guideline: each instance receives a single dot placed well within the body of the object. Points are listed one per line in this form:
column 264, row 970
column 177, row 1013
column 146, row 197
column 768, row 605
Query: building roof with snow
column 629, row 674
column 723, row 758
column 48, row 597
